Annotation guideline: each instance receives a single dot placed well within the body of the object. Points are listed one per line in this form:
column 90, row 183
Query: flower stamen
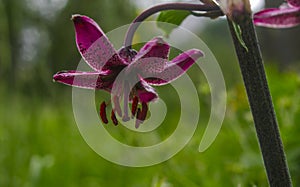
column 103, row 113
column 117, row 107
column 135, row 102
column 141, row 114
column 144, row 111
column 126, row 93
column 138, row 117
column 113, row 118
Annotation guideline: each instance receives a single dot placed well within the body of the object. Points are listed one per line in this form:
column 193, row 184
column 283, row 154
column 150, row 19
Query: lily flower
column 286, row 16
column 149, row 66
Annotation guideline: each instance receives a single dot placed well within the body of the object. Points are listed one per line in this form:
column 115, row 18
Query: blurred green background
column 40, row 144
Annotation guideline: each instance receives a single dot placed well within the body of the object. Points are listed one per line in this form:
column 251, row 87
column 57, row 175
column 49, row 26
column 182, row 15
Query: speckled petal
column 175, row 68
column 151, row 57
column 88, row 80
column 294, row 3
column 146, row 93
column 93, row 44
column 278, row 18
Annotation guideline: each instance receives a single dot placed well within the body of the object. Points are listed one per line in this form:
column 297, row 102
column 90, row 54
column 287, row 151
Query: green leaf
column 175, row 17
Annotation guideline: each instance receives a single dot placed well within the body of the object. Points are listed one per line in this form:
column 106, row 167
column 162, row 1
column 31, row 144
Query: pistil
column 117, row 107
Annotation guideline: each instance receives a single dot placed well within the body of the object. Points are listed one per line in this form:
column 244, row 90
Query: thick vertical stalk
column 259, row 97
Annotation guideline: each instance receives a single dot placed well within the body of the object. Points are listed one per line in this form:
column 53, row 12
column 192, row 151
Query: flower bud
column 234, row 8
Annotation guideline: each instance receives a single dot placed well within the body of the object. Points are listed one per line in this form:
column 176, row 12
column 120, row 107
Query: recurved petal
column 177, row 67
column 267, row 11
column 278, row 17
column 294, row 3
column 146, row 93
column 93, row 45
column 88, row 80
column 156, row 47
column 152, row 56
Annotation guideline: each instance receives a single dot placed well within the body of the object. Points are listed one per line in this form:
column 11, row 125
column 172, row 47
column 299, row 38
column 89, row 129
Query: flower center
column 127, row 54
column 138, row 111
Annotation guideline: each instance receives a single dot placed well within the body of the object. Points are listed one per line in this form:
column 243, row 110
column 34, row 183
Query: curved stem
column 167, row 6
column 212, row 14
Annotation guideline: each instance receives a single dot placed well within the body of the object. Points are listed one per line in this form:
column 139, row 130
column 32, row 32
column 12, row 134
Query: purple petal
column 152, row 56
column 156, row 47
column 265, row 12
column 278, row 18
column 93, row 44
column 88, row 80
column 294, row 3
column 146, row 93
column 177, row 67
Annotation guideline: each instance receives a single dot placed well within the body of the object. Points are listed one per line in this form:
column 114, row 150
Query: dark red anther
column 103, row 112
column 138, row 120
column 117, row 106
column 141, row 115
column 113, row 118
column 126, row 95
column 144, row 111
column 135, row 103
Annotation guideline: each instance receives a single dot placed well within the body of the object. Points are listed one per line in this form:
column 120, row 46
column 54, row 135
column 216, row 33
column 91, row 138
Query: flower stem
column 167, row 6
column 259, row 97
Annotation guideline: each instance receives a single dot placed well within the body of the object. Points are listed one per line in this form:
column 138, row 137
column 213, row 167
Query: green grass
column 40, row 144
